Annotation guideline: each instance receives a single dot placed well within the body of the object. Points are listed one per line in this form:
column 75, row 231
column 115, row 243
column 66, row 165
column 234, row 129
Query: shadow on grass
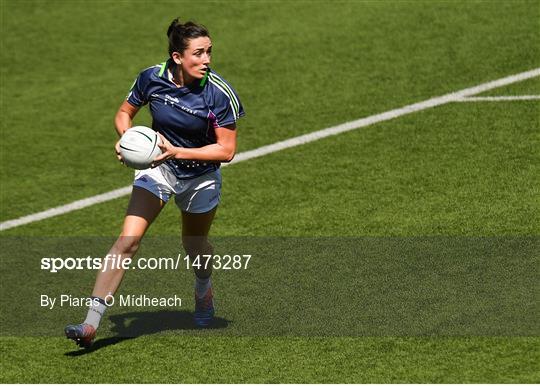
column 134, row 324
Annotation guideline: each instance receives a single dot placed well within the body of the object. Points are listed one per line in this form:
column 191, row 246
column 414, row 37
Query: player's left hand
column 168, row 151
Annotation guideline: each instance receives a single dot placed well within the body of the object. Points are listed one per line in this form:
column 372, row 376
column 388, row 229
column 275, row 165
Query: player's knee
column 195, row 245
column 127, row 245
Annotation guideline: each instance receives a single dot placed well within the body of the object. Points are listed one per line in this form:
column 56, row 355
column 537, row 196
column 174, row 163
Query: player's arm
column 123, row 120
column 124, row 117
column 222, row 151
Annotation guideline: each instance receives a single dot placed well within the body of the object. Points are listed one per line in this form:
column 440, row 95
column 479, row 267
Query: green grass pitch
column 458, row 174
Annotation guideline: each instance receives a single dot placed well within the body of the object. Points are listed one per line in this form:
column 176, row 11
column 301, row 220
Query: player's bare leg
column 195, row 229
column 142, row 210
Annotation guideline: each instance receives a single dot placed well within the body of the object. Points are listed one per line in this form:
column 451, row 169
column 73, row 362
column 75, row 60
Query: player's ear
column 177, row 57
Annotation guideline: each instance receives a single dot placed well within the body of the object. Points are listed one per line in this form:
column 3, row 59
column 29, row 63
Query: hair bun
column 176, row 22
column 179, row 34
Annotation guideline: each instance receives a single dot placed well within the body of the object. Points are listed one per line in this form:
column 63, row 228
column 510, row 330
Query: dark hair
column 180, row 34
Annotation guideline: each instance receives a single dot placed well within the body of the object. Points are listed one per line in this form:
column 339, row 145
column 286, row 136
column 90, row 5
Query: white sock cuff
column 95, row 312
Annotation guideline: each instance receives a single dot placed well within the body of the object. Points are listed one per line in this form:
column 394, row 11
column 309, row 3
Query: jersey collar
column 166, row 73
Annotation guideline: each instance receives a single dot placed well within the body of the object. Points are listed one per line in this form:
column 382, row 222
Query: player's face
column 196, row 58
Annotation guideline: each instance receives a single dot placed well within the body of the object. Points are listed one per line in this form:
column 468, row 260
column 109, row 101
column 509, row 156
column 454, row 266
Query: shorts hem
column 151, row 191
column 198, row 211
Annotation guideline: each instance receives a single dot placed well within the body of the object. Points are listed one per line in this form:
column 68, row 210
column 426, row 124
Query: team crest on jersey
column 171, row 99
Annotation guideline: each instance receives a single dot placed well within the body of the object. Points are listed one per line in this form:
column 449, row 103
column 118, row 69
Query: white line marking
column 292, row 142
column 353, row 125
column 76, row 205
column 499, row 98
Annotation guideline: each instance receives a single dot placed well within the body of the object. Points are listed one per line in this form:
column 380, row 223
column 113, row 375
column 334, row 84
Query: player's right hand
column 117, row 149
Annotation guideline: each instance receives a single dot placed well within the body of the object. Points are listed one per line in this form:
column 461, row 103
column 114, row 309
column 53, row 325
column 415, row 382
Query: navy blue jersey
column 187, row 116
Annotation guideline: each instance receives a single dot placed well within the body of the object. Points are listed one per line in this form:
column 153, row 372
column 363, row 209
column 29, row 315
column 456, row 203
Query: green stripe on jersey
column 203, row 80
column 162, row 69
column 219, row 82
column 226, row 88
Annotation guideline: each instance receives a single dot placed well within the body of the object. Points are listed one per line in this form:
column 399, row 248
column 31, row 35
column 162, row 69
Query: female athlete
column 194, row 111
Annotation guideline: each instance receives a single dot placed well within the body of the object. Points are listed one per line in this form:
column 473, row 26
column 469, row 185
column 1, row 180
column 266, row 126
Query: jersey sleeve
column 138, row 93
column 227, row 107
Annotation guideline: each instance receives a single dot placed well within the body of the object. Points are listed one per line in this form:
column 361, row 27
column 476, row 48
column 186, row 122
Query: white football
column 139, row 147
